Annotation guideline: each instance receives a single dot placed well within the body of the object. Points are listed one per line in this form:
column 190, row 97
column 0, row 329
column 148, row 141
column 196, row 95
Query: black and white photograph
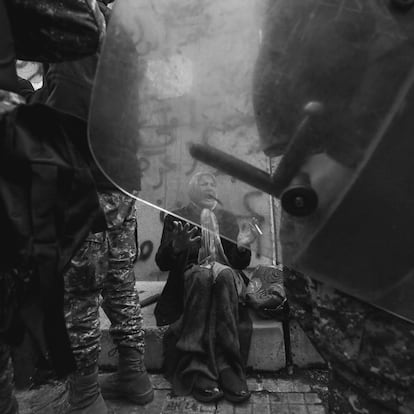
column 206, row 207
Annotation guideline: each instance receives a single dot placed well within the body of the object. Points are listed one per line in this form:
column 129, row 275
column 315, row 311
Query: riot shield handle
column 234, row 167
column 298, row 149
column 287, row 183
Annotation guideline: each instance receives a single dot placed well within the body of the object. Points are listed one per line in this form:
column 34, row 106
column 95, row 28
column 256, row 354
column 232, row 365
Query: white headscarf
column 194, row 192
column 211, row 250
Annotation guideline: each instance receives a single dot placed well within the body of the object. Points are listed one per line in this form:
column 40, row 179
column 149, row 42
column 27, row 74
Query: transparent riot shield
column 291, row 103
column 174, row 73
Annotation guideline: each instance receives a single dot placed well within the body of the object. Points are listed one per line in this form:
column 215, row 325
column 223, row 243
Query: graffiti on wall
column 197, row 88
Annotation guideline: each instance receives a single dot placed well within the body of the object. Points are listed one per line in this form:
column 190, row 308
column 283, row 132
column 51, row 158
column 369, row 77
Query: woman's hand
column 184, row 236
column 247, row 235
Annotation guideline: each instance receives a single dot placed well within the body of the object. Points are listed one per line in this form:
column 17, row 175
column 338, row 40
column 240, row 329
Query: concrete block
column 303, row 352
column 267, row 351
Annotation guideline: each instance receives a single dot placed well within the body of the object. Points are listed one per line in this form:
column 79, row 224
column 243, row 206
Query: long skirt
column 213, row 332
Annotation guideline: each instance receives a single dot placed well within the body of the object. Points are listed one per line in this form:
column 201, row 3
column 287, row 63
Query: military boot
column 131, row 382
column 84, row 396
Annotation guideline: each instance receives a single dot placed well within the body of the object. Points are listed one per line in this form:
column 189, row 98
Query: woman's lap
column 207, row 332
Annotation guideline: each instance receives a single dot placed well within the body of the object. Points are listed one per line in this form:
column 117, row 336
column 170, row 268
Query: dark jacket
column 170, row 305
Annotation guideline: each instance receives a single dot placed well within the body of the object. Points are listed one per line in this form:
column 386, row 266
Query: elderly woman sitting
column 205, row 347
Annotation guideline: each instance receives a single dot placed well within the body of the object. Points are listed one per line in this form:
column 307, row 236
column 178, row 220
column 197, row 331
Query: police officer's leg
column 83, row 284
column 121, row 302
column 8, row 403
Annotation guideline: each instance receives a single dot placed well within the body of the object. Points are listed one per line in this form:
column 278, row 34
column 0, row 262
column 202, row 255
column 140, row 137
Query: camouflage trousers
column 8, row 403
column 371, row 352
column 102, row 273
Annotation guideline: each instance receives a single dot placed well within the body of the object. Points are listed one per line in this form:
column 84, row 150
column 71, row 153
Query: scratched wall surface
column 197, row 88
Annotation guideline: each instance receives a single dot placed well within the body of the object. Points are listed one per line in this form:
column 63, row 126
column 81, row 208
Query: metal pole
column 273, row 224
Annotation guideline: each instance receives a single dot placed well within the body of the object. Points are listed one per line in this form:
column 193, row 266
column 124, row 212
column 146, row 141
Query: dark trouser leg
column 227, row 320
column 83, row 283
column 8, row 403
column 121, row 301
column 209, row 325
column 230, row 364
column 194, row 330
column 197, row 309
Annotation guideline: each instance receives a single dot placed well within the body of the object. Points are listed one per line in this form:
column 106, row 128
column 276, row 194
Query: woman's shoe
column 235, row 388
column 206, row 390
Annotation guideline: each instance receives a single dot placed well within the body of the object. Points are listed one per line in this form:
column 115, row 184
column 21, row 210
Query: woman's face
column 206, row 194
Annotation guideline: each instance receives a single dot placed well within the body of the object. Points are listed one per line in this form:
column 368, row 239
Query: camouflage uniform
column 8, row 403
column 104, row 265
column 371, row 352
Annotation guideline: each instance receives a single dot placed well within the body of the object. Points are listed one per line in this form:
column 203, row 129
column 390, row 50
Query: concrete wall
column 197, row 88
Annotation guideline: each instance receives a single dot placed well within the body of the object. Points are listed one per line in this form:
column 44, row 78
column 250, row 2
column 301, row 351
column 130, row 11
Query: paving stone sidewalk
column 281, row 396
